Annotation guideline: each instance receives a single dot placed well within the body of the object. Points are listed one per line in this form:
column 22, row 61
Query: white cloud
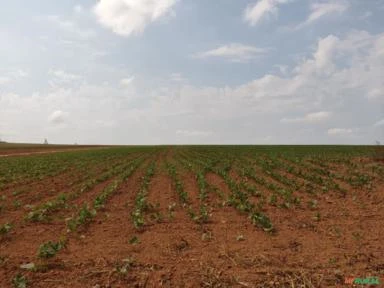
column 379, row 123
column 71, row 28
column 234, row 52
column 78, row 9
column 19, row 73
column 319, row 10
column 339, row 131
column 318, row 116
column 254, row 13
column 323, row 9
column 166, row 112
column 177, row 77
column 127, row 17
column 12, row 76
column 325, row 51
column 57, row 117
column 125, row 82
column 377, row 93
column 309, row 118
column 4, row 80
column 283, row 69
column 62, row 77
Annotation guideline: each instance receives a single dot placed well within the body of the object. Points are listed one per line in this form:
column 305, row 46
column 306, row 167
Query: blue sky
column 192, row 71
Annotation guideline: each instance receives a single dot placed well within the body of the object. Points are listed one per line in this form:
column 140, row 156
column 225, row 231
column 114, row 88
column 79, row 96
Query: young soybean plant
column 50, row 249
column 4, row 229
column 141, row 203
column 84, row 217
column 19, row 281
column 178, row 184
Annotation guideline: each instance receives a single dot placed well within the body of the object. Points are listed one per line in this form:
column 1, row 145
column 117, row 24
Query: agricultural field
column 24, row 149
column 192, row 216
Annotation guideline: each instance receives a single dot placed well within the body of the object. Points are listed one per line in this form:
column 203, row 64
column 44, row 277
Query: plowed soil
column 12, row 149
column 318, row 243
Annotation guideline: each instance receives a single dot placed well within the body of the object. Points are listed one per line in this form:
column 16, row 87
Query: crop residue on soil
column 191, row 217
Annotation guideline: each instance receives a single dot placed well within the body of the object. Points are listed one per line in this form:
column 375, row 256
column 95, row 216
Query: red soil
column 37, row 151
column 312, row 247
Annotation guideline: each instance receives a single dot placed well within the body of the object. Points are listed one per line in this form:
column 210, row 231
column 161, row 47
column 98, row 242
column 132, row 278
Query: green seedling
column 85, row 216
column 171, row 210
column 204, row 215
column 312, row 204
column 17, row 204
column 138, row 218
column 19, row 281
column 4, row 229
column 50, row 249
column 41, row 213
column 273, row 200
column 134, row 240
column 262, row 221
column 19, row 191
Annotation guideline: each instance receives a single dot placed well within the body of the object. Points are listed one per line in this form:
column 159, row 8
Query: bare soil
column 312, row 246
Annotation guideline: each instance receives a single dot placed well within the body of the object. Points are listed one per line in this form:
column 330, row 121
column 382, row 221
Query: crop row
column 43, row 211
column 141, row 204
column 86, row 213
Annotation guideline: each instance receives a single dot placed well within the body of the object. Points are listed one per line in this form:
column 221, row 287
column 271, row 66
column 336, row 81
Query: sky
column 192, row 71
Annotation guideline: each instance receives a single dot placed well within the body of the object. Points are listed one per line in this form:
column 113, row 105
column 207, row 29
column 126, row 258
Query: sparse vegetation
column 231, row 210
column 50, row 249
column 19, row 281
column 84, row 217
column 141, row 204
column 5, row 228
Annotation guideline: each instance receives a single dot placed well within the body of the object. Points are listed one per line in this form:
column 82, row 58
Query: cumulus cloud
column 377, row 93
column 317, row 89
column 63, row 77
column 125, row 82
column 322, row 9
column 4, row 80
column 323, row 58
column 324, row 53
column 314, row 83
column 57, row 117
column 319, row 10
column 177, row 77
column 262, row 9
column 339, row 131
column 379, row 123
column 309, row 118
column 12, row 75
column 234, row 52
column 318, row 116
column 19, row 73
column 127, row 17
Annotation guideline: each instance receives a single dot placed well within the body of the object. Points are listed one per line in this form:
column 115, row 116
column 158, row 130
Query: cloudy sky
column 192, row 71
